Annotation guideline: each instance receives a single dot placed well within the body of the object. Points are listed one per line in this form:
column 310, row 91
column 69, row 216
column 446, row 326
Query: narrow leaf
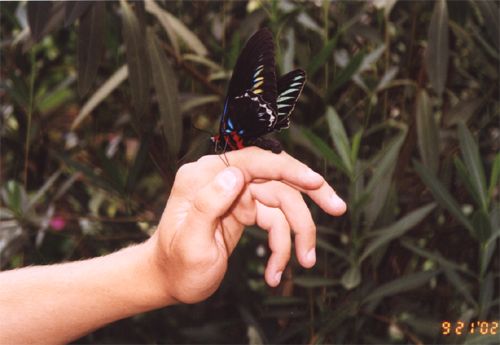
column 327, row 153
column 339, row 137
column 351, row 278
column 397, row 229
column 90, row 45
column 356, row 142
column 460, row 285
column 320, row 59
column 403, row 284
column 182, row 31
column 485, row 296
column 137, row 166
column 165, row 83
column 482, row 225
column 437, row 54
column 104, row 91
column 314, row 281
column 346, row 74
column 467, row 180
column 427, row 133
column 462, row 112
column 495, row 174
column 38, row 16
column 442, row 196
column 472, row 159
column 136, row 56
column 491, row 14
column 321, row 243
column 152, row 7
column 384, row 163
column 437, row 257
column 74, row 10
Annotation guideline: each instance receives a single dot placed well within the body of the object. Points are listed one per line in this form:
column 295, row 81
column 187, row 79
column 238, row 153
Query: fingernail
column 313, row 175
column 337, row 202
column 311, row 255
column 227, row 180
column 277, row 277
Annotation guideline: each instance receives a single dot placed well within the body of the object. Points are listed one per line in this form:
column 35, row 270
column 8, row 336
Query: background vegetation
column 101, row 102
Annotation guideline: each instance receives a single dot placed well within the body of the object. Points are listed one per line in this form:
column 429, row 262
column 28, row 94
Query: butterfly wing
column 250, row 106
column 255, row 69
column 289, row 89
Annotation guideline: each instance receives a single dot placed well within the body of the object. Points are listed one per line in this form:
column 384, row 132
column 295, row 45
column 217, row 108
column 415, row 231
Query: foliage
column 102, row 102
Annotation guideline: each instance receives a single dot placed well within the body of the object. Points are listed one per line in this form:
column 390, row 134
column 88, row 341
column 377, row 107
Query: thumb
column 213, row 201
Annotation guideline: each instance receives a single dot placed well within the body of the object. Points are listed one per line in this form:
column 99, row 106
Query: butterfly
column 256, row 103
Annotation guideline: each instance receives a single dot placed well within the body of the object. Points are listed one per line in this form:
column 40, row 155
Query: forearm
column 59, row 303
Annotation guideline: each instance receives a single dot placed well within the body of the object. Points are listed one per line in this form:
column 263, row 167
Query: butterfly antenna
column 226, row 162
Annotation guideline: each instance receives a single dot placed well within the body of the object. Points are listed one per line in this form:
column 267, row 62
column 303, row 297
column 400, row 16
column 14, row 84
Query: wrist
column 155, row 273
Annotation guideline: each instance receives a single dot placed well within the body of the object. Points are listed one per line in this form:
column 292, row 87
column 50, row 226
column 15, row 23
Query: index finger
column 256, row 163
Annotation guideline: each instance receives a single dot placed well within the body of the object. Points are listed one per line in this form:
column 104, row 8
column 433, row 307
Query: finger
column 290, row 202
column 326, row 198
column 273, row 220
column 211, row 202
column 270, row 166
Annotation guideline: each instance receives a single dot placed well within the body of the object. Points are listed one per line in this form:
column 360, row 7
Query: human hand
column 210, row 204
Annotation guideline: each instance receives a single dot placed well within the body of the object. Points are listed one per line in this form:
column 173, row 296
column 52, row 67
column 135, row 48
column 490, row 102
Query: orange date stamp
column 472, row 327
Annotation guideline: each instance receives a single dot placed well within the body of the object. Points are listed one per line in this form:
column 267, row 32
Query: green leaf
column 472, row 159
column 351, row 278
column 482, row 226
column 437, row 257
column 13, row 195
column 346, row 74
column 137, row 166
column 438, row 51
column 85, row 170
column 74, row 10
column 165, row 83
column 427, row 133
column 467, row 180
column 101, row 94
column 377, row 189
column 137, row 54
column 403, row 284
column 460, row 285
column 397, row 229
column 486, row 289
column 321, row 243
column 356, row 142
column 320, row 59
column 442, row 196
column 491, row 14
column 39, row 13
column 283, row 301
column 55, row 100
column 327, row 153
column 462, row 112
column 495, row 174
column 339, row 137
column 482, row 339
column 385, row 160
column 90, row 45
column 114, row 175
column 314, row 281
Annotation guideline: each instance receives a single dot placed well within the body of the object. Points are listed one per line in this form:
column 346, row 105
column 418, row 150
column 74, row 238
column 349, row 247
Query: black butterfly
column 255, row 103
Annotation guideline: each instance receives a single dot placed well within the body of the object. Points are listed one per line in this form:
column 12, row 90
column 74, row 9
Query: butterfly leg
column 268, row 144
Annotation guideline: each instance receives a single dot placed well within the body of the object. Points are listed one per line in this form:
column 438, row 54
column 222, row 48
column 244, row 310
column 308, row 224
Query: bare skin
column 186, row 258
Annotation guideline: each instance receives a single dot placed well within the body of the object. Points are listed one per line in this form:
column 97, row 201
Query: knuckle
column 201, row 204
column 185, row 169
column 205, row 159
